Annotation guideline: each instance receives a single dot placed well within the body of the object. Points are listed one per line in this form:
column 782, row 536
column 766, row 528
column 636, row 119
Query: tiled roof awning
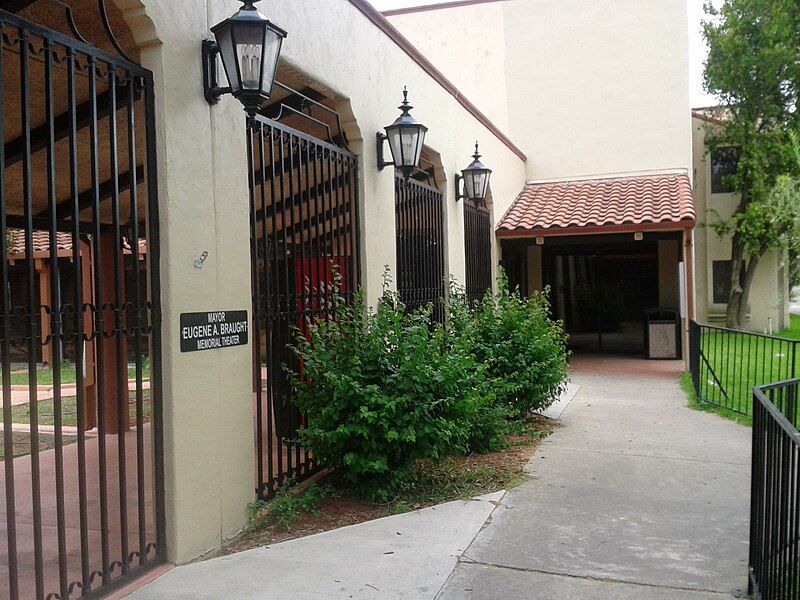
column 601, row 206
column 41, row 244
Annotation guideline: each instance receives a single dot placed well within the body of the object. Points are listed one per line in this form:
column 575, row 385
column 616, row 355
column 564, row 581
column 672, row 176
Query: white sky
column 697, row 49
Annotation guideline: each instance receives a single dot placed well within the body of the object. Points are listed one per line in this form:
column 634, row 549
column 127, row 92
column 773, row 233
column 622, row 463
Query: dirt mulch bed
column 463, row 476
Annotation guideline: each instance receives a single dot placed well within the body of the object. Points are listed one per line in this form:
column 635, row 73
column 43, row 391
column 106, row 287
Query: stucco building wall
column 592, row 88
column 208, row 410
column 468, row 44
column 769, row 294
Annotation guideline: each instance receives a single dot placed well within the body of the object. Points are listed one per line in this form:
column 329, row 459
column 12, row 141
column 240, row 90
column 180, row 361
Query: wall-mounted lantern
column 476, row 180
column 406, row 137
column 249, row 45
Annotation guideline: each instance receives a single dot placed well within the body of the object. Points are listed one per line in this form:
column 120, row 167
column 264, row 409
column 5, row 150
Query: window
column 721, row 275
column 724, row 162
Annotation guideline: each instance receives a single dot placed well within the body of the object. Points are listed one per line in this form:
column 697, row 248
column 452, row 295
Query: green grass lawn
column 69, row 411
column 44, row 375
column 22, row 442
column 740, row 362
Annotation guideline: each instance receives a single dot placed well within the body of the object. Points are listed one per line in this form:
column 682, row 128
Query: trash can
column 662, row 333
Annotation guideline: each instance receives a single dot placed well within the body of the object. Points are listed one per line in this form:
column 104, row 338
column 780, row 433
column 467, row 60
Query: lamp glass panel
column 408, row 140
column 249, row 51
column 224, row 37
column 403, row 142
column 420, row 141
column 272, row 50
column 469, row 184
column 485, row 185
column 395, row 145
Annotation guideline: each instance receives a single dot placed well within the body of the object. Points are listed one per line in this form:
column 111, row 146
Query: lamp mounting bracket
column 211, row 88
column 382, row 163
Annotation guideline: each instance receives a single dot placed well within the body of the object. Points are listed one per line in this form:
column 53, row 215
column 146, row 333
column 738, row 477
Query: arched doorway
column 79, row 337
column 304, row 207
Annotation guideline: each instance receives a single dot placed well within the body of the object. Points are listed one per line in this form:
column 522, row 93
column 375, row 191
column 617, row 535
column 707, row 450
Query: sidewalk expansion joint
column 464, row 560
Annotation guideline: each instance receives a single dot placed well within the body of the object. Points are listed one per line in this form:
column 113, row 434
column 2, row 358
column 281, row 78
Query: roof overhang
column 660, row 202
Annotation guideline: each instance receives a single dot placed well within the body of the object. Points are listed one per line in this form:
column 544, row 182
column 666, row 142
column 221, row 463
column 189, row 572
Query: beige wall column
column 203, row 206
column 535, row 275
column 669, row 254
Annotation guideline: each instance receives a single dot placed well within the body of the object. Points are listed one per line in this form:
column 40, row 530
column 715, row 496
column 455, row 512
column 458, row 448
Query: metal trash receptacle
column 662, row 333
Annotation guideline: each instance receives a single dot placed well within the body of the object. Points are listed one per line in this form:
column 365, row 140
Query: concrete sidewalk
column 404, row 556
column 637, row 497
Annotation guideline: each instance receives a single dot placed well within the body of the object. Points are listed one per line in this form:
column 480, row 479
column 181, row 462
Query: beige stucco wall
column 208, row 413
column 467, row 43
column 591, row 87
column 669, row 285
column 768, row 295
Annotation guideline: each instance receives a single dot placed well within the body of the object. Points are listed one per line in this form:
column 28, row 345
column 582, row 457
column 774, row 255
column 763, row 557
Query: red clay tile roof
column 598, row 205
column 41, row 242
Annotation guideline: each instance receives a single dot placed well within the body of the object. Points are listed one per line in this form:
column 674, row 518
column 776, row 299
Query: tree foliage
column 753, row 67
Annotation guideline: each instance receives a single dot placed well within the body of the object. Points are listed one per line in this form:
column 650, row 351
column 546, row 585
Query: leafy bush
column 382, row 389
column 287, row 506
column 523, row 349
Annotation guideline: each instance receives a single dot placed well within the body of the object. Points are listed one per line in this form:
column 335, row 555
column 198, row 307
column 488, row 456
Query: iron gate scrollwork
column 304, row 245
column 419, row 223
column 79, row 317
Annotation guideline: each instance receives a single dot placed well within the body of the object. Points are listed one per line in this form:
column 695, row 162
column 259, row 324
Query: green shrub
column 523, row 349
column 287, row 506
column 382, row 389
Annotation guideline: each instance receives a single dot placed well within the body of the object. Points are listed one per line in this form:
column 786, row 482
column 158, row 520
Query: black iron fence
column 419, row 222
column 304, row 238
column 79, row 319
column 477, row 249
column 726, row 364
column 733, row 370
column 775, row 502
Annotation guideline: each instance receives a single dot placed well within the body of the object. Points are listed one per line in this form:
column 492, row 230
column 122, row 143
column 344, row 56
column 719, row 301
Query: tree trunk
column 749, row 274
column 736, row 306
column 741, row 281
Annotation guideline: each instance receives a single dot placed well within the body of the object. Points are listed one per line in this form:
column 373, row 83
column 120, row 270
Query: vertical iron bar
column 138, row 307
column 35, row 336
column 118, row 331
column 5, row 348
column 252, row 126
column 290, row 306
column 99, row 319
column 79, row 331
column 55, row 320
column 274, row 298
column 154, row 270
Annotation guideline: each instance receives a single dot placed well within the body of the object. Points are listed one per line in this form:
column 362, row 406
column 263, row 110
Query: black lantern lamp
column 406, row 137
column 249, row 45
column 476, row 180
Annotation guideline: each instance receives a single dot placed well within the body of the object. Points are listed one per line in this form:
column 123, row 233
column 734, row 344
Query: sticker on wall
column 212, row 330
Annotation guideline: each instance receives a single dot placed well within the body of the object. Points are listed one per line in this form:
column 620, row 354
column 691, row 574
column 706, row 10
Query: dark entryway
column 602, row 292
column 601, row 286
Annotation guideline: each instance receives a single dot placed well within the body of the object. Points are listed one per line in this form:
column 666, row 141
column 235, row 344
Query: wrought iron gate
column 79, row 316
column 419, row 222
column 477, row 249
column 304, row 237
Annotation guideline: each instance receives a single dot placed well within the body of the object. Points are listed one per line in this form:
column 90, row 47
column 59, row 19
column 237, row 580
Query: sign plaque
column 212, row 330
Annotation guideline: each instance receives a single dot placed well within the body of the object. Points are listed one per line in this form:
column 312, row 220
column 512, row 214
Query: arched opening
column 478, row 234
column 304, row 205
column 421, row 236
column 78, row 326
